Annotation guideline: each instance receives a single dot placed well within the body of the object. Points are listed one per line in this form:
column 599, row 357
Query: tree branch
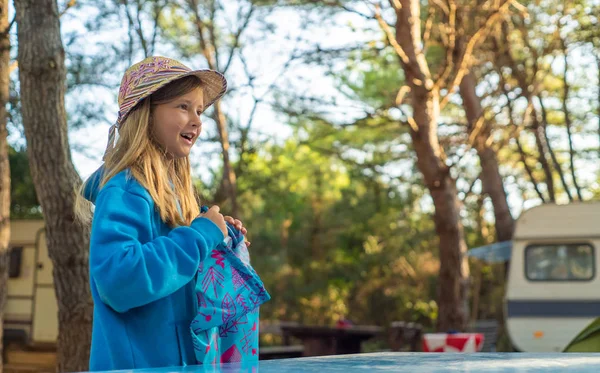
column 568, row 122
column 469, row 191
column 193, row 7
column 212, row 34
column 69, row 5
column 131, row 36
column 411, row 68
column 555, row 162
column 140, row 29
column 157, row 11
column 451, row 44
column 465, row 59
column 442, row 6
column 238, row 34
column 10, row 25
column 245, row 130
column 133, row 26
column 428, row 26
column 598, row 89
column 518, row 142
column 390, row 36
column 542, row 147
column 350, row 10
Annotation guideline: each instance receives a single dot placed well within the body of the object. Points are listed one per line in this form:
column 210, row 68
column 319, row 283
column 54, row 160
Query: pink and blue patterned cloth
column 229, row 293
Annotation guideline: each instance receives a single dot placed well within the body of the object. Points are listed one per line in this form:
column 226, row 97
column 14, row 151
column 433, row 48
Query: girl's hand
column 238, row 225
column 213, row 215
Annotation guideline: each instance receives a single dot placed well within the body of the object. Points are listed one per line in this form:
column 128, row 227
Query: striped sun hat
column 151, row 74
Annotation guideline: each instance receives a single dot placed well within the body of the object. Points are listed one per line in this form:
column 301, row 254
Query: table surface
column 411, row 362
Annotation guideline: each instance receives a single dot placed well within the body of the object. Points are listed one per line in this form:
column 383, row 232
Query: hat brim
column 213, row 83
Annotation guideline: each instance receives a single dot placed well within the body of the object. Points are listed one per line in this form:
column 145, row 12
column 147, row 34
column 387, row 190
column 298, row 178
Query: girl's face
column 177, row 125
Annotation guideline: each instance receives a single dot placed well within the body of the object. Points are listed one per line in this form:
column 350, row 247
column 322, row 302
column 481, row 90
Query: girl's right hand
column 213, row 215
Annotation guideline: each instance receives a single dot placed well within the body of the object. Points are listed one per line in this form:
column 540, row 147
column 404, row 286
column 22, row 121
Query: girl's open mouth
column 188, row 138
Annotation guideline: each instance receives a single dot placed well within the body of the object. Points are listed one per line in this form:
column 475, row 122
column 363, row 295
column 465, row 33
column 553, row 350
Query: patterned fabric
column 153, row 73
column 229, row 293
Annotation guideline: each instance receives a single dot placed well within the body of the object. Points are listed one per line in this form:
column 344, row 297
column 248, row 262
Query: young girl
column 148, row 236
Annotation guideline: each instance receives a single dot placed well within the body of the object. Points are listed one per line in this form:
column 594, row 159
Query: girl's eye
column 199, row 112
column 183, row 106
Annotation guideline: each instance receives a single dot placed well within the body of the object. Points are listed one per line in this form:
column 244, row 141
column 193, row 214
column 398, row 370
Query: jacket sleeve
column 129, row 273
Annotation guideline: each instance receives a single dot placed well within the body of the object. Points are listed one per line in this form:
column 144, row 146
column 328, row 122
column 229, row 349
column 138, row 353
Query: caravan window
column 571, row 262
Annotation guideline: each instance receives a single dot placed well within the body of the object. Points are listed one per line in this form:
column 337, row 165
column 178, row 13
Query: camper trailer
column 31, row 313
column 553, row 289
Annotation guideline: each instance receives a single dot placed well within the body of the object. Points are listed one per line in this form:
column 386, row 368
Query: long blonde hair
column 168, row 181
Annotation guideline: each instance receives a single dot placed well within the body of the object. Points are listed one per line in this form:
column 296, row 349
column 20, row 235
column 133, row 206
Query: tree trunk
column 4, row 167
column 490, row 171
column 542, row 146
column 529, row 171
column 207, row 41
column 477, row 274
column 453, row 276
column 527, row 83
column 316, row 229
column 568, row 122
column 598, row 103
column 425, row 98
column 228, row 172
column 42, row 78
column 522, row 154
column 555, row 161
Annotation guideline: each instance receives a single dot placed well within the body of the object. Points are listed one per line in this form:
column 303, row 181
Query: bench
column 405, row 336
column 489, row 329
column 284, row 351
column 280, row 352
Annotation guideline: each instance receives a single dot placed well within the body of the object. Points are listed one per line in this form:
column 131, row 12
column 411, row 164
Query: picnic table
column 328, row 340
column 410, row 362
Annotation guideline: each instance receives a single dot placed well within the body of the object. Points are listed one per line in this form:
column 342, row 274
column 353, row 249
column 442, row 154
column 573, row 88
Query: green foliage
column 331, row 241
column 373, row 76
column 24, row 203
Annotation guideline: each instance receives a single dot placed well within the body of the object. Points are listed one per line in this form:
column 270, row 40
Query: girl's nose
column 195, row 121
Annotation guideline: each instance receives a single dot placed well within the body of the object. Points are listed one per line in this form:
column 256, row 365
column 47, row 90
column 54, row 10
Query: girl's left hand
column 238, row 225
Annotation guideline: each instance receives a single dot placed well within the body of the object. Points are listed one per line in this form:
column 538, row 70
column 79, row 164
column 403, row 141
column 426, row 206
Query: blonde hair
column 168, row 181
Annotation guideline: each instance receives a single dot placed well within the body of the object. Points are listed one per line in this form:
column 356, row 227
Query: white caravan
column 553, row 289
column 31, row 313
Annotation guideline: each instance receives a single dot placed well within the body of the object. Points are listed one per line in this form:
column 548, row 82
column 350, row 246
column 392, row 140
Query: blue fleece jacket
column 142, row 276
